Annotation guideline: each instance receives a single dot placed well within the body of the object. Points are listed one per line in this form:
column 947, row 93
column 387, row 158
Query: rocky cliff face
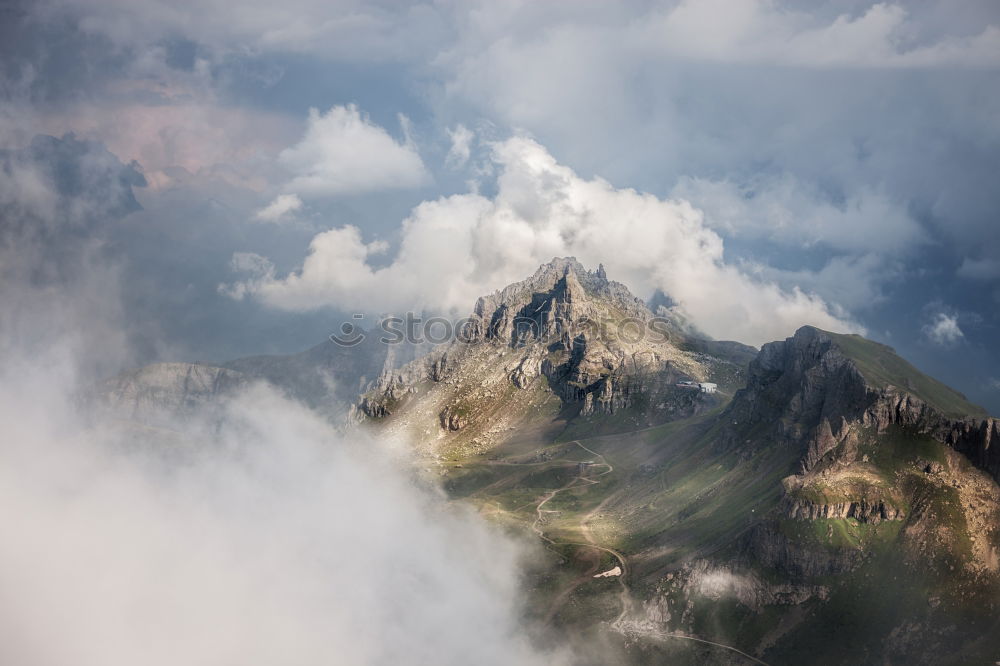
column 567, row 332
column 868, row 451
column 976, row 438
column 862, row 510
column 807, row 392
column 801, row 392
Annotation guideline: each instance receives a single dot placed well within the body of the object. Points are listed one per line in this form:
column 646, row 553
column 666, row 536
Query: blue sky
column 768, row 164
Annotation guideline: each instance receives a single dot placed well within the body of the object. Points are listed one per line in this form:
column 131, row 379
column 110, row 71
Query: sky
column 248, row 176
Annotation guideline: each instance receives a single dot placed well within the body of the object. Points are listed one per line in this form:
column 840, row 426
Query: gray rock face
column 977, row 438
column 164, row 391
column 862, row 510
column 554, row 301
column 766, row 546
column 807, row 393
column 596, row 345
column 451, row 419
column 802, row 391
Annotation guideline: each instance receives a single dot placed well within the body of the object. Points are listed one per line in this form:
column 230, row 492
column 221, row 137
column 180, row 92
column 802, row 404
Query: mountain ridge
column 858, row 391
column 749, row 521
column 826, row 483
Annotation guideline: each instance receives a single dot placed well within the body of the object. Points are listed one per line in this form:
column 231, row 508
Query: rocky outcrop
column 855, row 416
column 558, row 299
column 562, row 316
column 802, row 391
column 528, row 368
column 977, row 438
column 979, row 441
column 861, row 510
column 807, row 393
column 374, row 408
column 452, row 418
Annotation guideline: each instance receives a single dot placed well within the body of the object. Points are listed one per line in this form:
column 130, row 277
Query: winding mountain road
column 620, row 623
column 590, row 542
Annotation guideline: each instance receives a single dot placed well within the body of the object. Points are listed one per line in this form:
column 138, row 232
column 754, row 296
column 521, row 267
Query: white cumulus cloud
column 943, row 329
column 461, row 146
column 344, row 152
column 283, row 205
column 456, row 248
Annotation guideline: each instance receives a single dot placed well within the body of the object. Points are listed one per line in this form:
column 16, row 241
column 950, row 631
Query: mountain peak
column 565, row 332
column 562, row 280
column 819, row 391
column 882, row 368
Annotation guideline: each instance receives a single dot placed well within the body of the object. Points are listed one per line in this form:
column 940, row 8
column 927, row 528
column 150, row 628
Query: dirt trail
column 590, row 542
column 620, row 624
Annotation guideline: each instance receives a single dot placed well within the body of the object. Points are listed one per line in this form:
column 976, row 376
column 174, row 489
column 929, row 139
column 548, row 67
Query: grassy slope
column 673, row 497
column 881, row 366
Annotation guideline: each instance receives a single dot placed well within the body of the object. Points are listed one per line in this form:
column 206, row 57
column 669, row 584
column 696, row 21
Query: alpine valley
column 686, row 500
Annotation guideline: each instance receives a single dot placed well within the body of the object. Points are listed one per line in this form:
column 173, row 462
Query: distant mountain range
column 828, row 503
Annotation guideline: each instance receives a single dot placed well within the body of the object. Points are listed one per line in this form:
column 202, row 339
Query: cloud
column 253, row 534
column 60, row 199
column 343, row 152
column 770, row 91
column 943, row 330
column 283, row 204
column 249, row 532
column 874, row 34
column 457, row 248
column 761, row 31
column 461, row 146
column 855, row 282
column 56, row 184
column 350, row 29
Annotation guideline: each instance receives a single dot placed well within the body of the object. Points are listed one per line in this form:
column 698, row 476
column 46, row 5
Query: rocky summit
column 567, row 341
